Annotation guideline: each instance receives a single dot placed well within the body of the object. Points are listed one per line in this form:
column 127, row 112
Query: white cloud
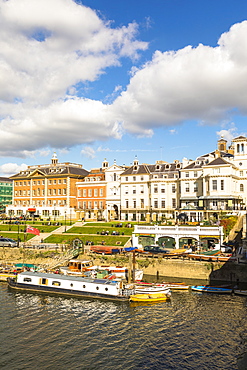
column 48, row 48
column 201, row 83
column 229, row 133
column 101, row 149
column 9, row 169
column 173, row 131
column 88, row 152
column 44, row 152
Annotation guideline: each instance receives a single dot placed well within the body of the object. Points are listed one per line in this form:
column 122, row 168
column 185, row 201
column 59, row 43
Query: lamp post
column 18, row 241
column 10, row 222
column 65, row 221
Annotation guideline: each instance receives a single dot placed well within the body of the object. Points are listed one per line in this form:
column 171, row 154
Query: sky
column 119, row 80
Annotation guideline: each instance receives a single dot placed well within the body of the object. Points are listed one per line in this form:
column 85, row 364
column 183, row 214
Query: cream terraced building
column 215, row 182
column 150, row 192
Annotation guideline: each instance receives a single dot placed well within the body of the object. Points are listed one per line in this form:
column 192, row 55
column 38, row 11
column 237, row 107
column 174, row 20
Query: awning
column 31, row 209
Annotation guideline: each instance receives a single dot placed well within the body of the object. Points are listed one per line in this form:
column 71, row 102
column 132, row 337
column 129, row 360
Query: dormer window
column 135, row 168
column 157, row 167
column 167, row 167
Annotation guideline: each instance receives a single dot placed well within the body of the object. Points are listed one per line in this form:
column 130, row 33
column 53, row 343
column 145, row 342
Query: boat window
column 84, row 286
column 44, row 281
column 56, row 283
column 97, row 288
column 106, row 289
column 71, row 284
column 28, row 280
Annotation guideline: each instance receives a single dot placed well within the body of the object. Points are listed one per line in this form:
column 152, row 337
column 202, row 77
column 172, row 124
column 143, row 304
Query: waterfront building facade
column 215, row 182
column 150, row 192
column 113, row 191
column 98, row 195
column 203, row 188
column 91, row 195
column 6, row 187
column 47, row 191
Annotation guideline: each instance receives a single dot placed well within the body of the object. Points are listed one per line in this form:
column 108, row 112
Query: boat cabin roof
column 80, row 261
column 68, row 277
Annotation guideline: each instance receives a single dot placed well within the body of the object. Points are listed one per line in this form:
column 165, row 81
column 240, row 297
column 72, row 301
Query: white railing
column 179, row 230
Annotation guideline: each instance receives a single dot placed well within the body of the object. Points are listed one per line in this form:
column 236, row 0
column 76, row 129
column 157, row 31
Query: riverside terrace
column 173, row 236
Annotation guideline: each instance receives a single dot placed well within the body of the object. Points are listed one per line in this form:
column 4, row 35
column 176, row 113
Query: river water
column 192, row 331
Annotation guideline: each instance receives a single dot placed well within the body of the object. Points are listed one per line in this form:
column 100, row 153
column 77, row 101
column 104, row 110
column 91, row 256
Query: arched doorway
column 188, row 243
column 116, row 215
column 167, row 242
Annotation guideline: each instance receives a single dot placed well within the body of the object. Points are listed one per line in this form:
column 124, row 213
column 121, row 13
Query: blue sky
column 93, row 79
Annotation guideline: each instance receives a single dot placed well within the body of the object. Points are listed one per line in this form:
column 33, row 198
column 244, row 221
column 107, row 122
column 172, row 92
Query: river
column 191, row 331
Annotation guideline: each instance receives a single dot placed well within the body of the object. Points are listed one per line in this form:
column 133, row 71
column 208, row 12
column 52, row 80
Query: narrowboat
column 71, row 286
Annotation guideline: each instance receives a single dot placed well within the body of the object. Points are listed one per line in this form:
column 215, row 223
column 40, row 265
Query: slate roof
column 53, row 171
column 199, row 164
column 5, row 179
column 152, row 169
column 218, row 161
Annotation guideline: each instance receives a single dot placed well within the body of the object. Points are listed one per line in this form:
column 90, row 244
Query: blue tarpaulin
column 129, row 249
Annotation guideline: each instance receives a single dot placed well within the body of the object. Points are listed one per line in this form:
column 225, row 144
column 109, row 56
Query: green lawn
column 97, row 240
column 15, row 236
column 110, row 224
column 91, row 232
column 88, row 229
column 22, row 227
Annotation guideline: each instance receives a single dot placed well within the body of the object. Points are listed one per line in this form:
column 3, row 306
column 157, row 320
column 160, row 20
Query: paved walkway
column 37, row 239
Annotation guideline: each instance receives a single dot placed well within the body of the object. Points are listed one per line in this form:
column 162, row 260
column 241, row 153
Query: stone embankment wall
column 230, row 272
column 174, row 268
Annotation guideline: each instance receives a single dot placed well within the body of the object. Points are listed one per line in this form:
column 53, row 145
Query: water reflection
column 191, row 331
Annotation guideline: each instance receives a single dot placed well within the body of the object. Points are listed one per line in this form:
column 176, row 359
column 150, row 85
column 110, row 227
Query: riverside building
column 6, row 188
column 47, row 190
column 213, row 183
column 98, row 195
column 150, row 192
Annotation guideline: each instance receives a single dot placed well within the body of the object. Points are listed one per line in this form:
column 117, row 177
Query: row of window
column 156, row 203
column 41, row 203
column 216, row 185
column 91, row 205
column 140, row 189
column 39, row 192
column 195, row 174
column 141, row 178
column 90, row 192
column 220, row 186
column 39, row 182
column 187, row 187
